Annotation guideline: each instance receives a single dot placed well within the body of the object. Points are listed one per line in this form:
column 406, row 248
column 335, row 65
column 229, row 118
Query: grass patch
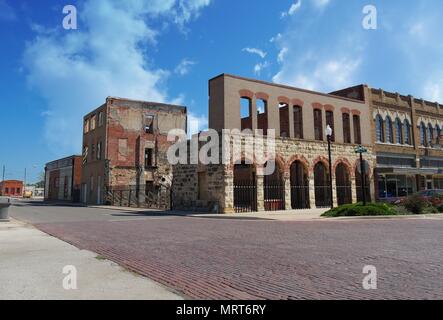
column 100, row 258
column 358, row 210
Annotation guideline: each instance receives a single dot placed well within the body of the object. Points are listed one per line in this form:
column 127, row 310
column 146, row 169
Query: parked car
column 431, row 193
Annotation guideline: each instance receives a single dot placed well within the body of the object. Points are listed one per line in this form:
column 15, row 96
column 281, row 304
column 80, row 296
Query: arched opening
column 358, row 182
column 322, row 186
column 246, row 113
column 389, row 130
column 343, row 185
column 274, row 190
column 284, row 119
column 299, row 186
column 379, row 128
column 245, row 188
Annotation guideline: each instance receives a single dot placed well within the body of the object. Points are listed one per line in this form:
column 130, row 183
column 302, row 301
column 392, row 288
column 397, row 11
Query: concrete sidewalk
column 32, row 262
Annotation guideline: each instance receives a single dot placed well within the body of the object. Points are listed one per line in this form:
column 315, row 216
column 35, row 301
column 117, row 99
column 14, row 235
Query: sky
column 167, row 50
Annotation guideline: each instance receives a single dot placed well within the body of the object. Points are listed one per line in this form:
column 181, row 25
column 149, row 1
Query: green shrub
column 430, row 210
column 416, row 204
column 358, row 210
column 440, row 208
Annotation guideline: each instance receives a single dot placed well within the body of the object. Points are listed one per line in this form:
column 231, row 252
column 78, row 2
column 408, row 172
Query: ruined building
column 301, row 179
column 124, row 153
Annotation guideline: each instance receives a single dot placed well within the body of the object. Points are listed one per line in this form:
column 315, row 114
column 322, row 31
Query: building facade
column 125, row 153
column 63, row 179
column 301, row 179
column 11, row 188
column 407, row 135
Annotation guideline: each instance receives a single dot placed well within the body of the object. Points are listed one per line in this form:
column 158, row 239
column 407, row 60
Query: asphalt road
column 240, row 259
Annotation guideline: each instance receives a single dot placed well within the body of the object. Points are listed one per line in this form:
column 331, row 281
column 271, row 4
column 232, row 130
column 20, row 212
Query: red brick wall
column 11, row 186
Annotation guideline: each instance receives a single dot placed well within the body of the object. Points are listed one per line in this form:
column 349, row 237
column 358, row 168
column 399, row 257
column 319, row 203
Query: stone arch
column 300, row 158
column 329, row 107
column 297, row 102
column 346, row 163
column 343, row 183
column 262, row 96
column 244, row 93
column 317, row 105
column 283, row 100
column 321, row 159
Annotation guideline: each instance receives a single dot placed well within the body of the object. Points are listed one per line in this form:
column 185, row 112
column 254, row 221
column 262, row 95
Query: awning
column 410, row 171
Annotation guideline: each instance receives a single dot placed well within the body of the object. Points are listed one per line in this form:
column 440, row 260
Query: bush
column 440, row 208
column 358, row 210
column 416, row 204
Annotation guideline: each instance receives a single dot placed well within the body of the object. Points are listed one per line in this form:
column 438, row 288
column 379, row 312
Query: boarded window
column 357, row 129
column 346, row 128
column 149, row 124
column 298, row 122
column 330, row 122
column 318, row 125
column 93, row 122
column 122, row 149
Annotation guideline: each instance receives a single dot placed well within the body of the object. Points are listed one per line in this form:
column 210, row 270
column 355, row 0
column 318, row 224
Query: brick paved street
column 239, row 259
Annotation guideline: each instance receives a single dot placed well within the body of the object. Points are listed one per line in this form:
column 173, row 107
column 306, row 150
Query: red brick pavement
column 232, row 259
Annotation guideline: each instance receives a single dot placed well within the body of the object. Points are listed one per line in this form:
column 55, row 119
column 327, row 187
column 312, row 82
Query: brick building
column 407, row 135
column 63, row 179
column 301, row 179
column 11, row 188
column 124, row 153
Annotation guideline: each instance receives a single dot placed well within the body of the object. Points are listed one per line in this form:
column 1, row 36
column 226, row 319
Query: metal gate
column 245, row 196
column 156, row 197
column 274, row 195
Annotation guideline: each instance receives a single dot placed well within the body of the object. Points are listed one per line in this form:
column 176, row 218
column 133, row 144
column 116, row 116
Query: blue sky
column 166, row 50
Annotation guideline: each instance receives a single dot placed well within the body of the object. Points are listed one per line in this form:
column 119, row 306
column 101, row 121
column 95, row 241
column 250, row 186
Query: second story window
column 99, row 151
column 149, row 124
column 100, row 118
column 438, row 137
column 357, row 129
column 379, row 129
column 318, row 125
column 430, row 135
column 298, row 122
column 330, row 122
column 93, row 122
column 398, row 131
column 423, row 135
column 92, row 152
column 389, row 131
column 346, row 128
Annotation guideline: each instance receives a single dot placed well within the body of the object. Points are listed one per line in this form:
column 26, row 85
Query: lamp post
column 360, row 150
column 329, row 133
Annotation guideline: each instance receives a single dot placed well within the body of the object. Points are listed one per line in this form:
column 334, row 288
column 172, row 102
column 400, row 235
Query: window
column 346, row 128
column 100, row 118
column 6, row 190
column 122, row 149
column 357, row 129
column 379, row 129
column 245, row 113
column 18, row 190
column 86, row 126
column 318, row 125
column 99, row 151
column 85, row 154
column 149, row 158
column 93, row 122
column 398, row 131
column 430, row 135
column 389, row 131
column 92, row 152
column 407, row 137
column 149, row 124
column 437, row 138
column 423, row 134
column 298, row 122
column 202, row 186
column 262, row 115
column 330, row 122
column 284, row 120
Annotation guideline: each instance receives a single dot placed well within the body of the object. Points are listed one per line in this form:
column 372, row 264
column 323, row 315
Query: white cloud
column 108, row 55
column 258, row 68
column 6, row 11
column 275, row 38
column 321, row 3
column 293, row 9
column 319, row 75
column 196, row 123
column 433, row 91
column 256, row 51
column 184, row 67
column 282, row 54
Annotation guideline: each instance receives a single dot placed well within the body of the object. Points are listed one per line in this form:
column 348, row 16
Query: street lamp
column 360, row 149
column 329, row 133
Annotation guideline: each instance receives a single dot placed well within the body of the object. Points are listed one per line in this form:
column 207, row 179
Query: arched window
column 407, row 132
column 423, row 134
column 398, row 131
column 430, row 135
column 379, row 128
column 437, row 138
column 389, row 131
